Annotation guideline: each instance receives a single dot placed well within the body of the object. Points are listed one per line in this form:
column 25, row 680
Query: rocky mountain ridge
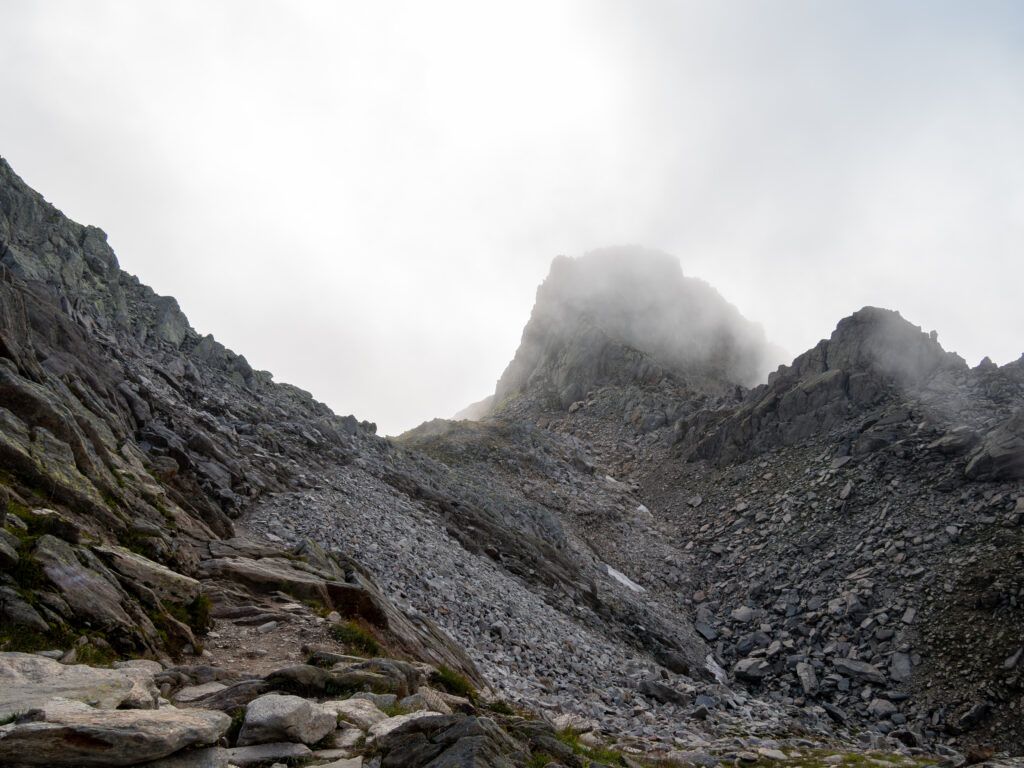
column 854, row 519
column 574, row 554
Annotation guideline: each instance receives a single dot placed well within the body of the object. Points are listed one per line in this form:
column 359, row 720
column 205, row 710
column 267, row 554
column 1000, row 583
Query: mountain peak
column 629, row 315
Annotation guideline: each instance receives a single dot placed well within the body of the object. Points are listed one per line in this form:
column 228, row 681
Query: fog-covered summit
column 629, row 315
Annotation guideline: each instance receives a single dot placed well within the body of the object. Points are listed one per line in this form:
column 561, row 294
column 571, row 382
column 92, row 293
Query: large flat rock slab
column 28, row 681
column 268, row 574
column 74, row 734
column 87, row 592
column 167, row 584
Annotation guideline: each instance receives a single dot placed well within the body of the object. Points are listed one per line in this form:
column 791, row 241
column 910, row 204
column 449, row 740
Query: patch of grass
column 28, row 573
column 136, row 541
column 355, row 637
column 316, row 607
column 199, row 613
column 24, row 640
column 94, row 656
column 501, row 707
column 237, row 720
column 171, row 637
column 195, row 614
column 453, row 682
column 38, row 525
column 8, row 719
column 600, row 753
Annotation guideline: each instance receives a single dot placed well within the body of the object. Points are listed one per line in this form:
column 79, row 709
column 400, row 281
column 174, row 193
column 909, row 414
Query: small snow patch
column 715, row 669
column 623, row 579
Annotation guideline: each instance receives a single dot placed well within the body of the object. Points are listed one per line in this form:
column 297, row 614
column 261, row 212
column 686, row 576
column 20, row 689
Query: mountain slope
column 630, row 540
column 846, row 537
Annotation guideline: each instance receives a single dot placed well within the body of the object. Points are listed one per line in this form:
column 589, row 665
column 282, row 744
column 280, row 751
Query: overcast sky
column 363, row 196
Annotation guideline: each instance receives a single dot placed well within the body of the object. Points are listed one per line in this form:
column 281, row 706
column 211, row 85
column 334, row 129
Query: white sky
column 362, row 197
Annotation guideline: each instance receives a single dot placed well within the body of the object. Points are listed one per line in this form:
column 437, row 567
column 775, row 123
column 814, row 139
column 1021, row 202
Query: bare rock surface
column 72, row 733
column 276, row 717
column 628, row 541
column 28, row 681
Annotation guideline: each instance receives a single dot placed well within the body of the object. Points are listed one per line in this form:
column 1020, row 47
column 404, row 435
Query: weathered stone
column 751, row 670
column 859, row 670
column 1001, row 453
column 384, row 727
column 73, row 734
column 277, row 717
column 233, row 696
column 900, row 667
column 203, row 757
column 662, row 693
column 264, row 754
column 881, row 708
column 28, row 681
column 268, row 575
column 426, row 698
column 360, row 712
column 808, row 679
column 89, row 594
column 743, row 614
column 146, row 665
column 350, row 762
column 191, row 693
column 165, row 583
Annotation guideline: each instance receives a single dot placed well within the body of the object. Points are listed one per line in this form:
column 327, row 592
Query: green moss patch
column 355, row 638
column 453, row 682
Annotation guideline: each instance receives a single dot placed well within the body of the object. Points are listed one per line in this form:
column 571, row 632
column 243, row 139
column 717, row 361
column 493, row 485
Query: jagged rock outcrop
column 1001, row 454
column 868, row 355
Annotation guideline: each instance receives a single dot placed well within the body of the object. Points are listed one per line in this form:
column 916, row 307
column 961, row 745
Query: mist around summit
column 539, row 385
column 381, row 187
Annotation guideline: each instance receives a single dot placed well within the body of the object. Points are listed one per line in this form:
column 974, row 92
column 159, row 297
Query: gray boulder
column 751, row 670
column 264, row 754
column 281, row 717
column 28, row 681
column 165, row 583
column 859, row 670
column 1001, row 453
column 70, row 733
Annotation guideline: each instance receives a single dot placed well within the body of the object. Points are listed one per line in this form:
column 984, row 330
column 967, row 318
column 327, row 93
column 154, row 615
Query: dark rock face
column 869, row 353
column 1001, row 454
